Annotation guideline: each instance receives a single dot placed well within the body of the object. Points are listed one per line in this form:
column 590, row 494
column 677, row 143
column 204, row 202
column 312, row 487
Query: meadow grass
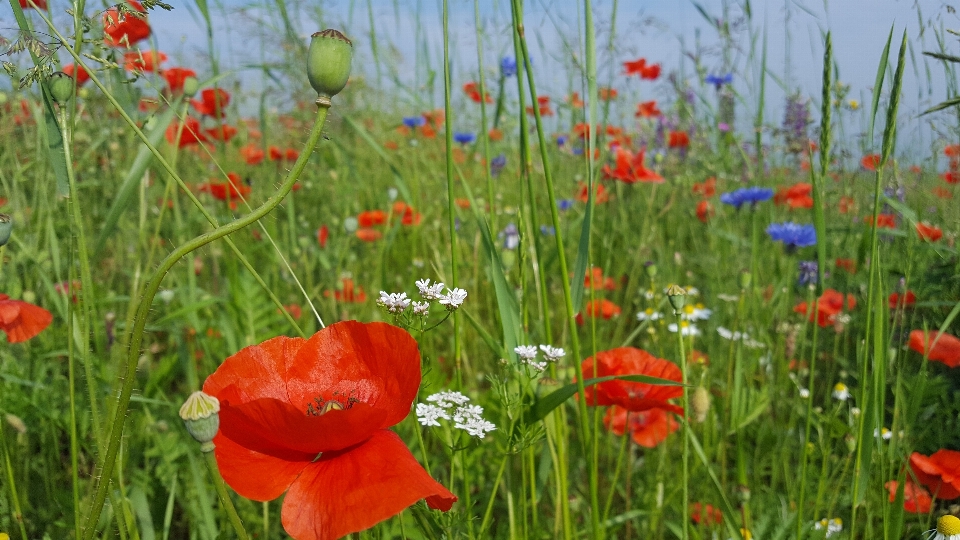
column 157, row 265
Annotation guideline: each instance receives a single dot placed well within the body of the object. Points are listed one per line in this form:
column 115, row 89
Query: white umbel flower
column 448, row 399
column 453, row 299
column 526, row 352
column 421, row 308
column 428, row 291
column 394, row 302
column 469, row 419
column 551, row 353
column 428, row 414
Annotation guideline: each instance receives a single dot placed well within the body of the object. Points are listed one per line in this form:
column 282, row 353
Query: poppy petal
column 352, row 490
column 32, row 320
column 254, row 475
column 9, row 311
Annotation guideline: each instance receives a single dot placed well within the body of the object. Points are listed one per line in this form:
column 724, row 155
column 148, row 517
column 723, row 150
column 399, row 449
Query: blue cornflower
column 808, row 273
column 497, row 164
column 719, row 80
column 793, row 235
column 562, row 140
column 464, row 138
column 751, row 195
column 564, row 204
column 508, row 66
column 414, row 121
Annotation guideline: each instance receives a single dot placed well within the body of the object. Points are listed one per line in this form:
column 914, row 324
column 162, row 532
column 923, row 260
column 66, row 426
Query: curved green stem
column 136, row 336
column 225, row 500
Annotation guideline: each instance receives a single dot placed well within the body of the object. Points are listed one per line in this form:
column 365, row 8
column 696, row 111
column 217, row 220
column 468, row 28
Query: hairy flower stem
column 143, row 309
column 225, row 500
column 686, row 427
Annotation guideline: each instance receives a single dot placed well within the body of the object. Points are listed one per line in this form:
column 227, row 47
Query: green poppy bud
column 61, row 87
column 328, row 62
column 650, row 268
column 190, row 86
column 677, row 297
column 6, row 227
column 200, row 414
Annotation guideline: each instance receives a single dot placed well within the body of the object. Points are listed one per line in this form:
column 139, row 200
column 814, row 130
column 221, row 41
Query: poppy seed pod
column 700, row 404
column 200, row 414
column 190, row 86
column 677, row 297
column 328, row 62
column 6, row 227
column 61, row 87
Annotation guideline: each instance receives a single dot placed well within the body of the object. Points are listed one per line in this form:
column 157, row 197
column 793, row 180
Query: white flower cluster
column 466, row 417
column 832, row 526
column 397, row 303
column 393, row 302
column 749, row 342
column 528, row 355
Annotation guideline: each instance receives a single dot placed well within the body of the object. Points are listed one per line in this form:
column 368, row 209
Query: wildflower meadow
column 506, row 278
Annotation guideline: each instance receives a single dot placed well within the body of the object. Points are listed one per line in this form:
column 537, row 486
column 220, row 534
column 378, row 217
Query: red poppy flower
column 543, row 105
column 275, row 153
column 348, row 292
column 929, row 233
column 323, row 233
column 604, row 308
column 606, row 93
column 143, row 60
column 311, row 417
column 294, row 310
column 630, row 168
column 849, row 265
column 575, row 101
column 916, row 500
column 940, row 472
column 945, row 348
column 223, row 132
column 472, row 90
column 647, row 109
column 391, row 145
column 252, row 154
column 831, row 303
column 679, row 139
column 291, row 154
column 870, row 162
column 647, row 428
column 370, row 218
column 846, row 204
column 176, row 76
column 895, row 301
column 42, row 4
column 21, row 320
column 640, row 67
column 707, row 188
column 600, row 194
column 82, row 75
column 368, row 235
column 594, row 279
column 212, row 102
column 227, row 191
column 633, row 396
column 951, row 177
column 796, row 196
column 942, row 192
column 952, row 151
column 190, row 133
column 705, row 514
column 884, row 221
column 125, row 30
column 704, row 211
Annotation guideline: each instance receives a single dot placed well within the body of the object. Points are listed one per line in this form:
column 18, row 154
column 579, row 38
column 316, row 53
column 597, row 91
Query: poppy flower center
column 320, row 406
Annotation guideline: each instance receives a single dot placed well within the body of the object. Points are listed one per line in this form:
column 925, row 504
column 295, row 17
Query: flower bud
column 200, row 415
column 700, row 404
column 677, row 297
column 190, row 86
column 6, row 227
column 328, row 62
column 650, row 268
column 61, row 87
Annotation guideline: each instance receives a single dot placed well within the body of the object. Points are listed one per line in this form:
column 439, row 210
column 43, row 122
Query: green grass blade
column 878, row 86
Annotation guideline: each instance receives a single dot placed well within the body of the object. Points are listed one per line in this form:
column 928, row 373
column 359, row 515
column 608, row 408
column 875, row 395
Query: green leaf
column 941, row 56
column 952, row 102
column 548, row 403
column 878, row 85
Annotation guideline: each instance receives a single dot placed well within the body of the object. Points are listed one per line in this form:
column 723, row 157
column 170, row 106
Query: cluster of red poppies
column 706, row 190
column 937, row 475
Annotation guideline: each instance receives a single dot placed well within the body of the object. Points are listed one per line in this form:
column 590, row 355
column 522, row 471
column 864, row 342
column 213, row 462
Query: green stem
column 150, row 291
column 686, row 427
column 225, row 500
column 11, row 481
column 451, row 207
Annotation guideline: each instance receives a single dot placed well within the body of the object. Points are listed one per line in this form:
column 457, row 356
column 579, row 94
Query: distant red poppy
column 252, row 154
column 606, row 93
column 370, row 218
column 940, row 472
column 472, row 90
column 82, row 75
column 916, row 500
column 575, row 101
column 42, row 4
column 543, row 106
column 952, row 151
column 391, row 145
column 632, row 396
column 630, row 168
column 796, row 196
column 227, row 191
column 125, row 30
column 846, row 204
column 323, row 233
column 143, row 60
column 707, row 188
column 849, row 265
column 189, row 134
column 704, row 210
column 870, row 162
column 348, row 292
column 929, row 233
column 428, row 132
column 495, row 135
column 647, row 109
column 951, row 177
column 594, row 279
column 602, row 308
column 21, row 320
column 212, row 102
column 600, row 194
column 884, row 221
column 705, row 514
column 830, row 304
column 946, row 348
column 275, row 153
column 368, row 235
column 942, row 193
column 314, row 423
column 291, row 154
column 678, row 139
column 223, row 132
column 175, row 77
column 641, row 68
column 647, row 428
column 294, row 310
column 895, row 301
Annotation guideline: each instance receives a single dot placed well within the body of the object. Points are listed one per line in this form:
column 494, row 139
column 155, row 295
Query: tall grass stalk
column 451, row 204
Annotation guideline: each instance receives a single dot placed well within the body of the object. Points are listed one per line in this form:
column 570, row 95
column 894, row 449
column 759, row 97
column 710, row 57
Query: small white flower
column 469, row 419
column 855, row 411
column 166, row 295
column 428, row 291
column 692, row 291
column 649, row 294
column 526, row 352
column 551, row 353
column 752, row 343
column 393, row 302
column 726, row 333
column 421, row 308
column 454, row 298
column 649, row 315
column 686, row 329
column 804, row 393
column 832, row 526
column 883, row 433
column 696, row 313
column 448, row 399
column 537, row 366
column 428, row 414
column 841, row 392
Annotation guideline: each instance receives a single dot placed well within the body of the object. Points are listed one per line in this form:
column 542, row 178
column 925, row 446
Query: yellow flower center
column 688, row 310
column 840, row 387
column 948, row 525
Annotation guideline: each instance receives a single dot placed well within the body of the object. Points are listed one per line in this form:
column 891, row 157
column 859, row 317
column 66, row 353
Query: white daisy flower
column 883, row 433
column 832, row 526
column 649, row 315
column 841, row 392
column 686, row 329
column 948, row 528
